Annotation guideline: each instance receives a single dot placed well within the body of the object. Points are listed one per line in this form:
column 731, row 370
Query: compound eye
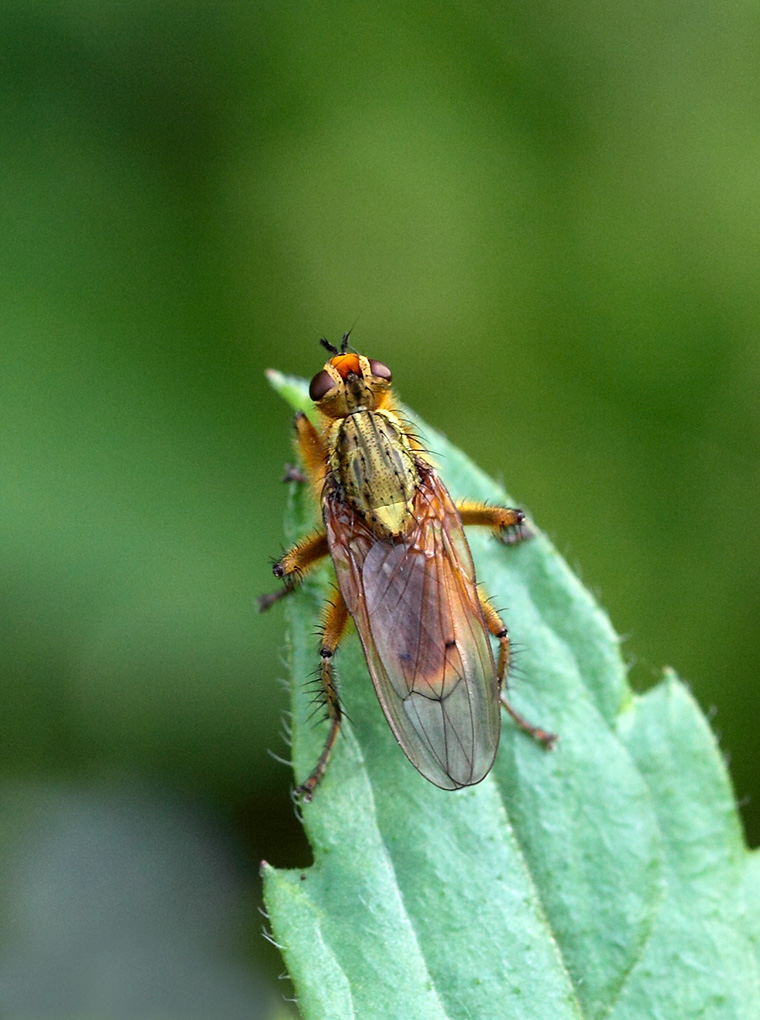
column 380, row 370
column 321, row 385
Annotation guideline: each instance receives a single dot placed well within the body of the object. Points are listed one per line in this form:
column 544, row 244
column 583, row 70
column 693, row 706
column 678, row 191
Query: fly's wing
column 416, row 608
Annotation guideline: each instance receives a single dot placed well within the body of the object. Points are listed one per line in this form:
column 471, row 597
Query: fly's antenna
column 343, row 343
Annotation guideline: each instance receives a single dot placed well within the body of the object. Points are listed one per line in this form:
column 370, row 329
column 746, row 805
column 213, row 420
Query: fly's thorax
column 372, row 459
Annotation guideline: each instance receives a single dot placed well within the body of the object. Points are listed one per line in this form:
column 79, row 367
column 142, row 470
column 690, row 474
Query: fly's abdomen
column 376, row 468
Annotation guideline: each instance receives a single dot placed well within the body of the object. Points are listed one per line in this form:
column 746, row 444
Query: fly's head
column 350, row 382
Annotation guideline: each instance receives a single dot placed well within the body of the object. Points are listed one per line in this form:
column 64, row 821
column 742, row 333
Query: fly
column 405, row 576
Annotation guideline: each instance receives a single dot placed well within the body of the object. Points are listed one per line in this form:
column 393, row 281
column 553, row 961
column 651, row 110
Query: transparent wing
column 416, row 608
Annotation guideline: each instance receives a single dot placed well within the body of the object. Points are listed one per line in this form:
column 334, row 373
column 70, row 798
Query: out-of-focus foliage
column 547, row 220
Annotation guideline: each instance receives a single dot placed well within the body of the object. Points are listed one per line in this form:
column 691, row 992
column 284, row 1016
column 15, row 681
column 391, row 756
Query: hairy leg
column 498, row 628
column 334, row 626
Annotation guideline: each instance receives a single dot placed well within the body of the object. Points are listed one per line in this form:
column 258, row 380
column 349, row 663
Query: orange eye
column 320, row 385
column 380, row 370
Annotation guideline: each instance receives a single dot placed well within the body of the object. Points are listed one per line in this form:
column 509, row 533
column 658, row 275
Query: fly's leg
column 313, row 454
column 291, row 567
column 312, row 450
column 267, row 600
column 294, row 564
column 310, row 550
column 336, row 617
column 301, row 557
column 508, row 524
column 498, row 628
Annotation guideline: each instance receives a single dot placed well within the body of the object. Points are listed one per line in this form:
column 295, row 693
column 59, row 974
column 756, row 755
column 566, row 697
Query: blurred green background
column 547, row 221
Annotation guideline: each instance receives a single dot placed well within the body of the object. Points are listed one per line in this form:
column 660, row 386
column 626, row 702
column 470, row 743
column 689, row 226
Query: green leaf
column 605, row 879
